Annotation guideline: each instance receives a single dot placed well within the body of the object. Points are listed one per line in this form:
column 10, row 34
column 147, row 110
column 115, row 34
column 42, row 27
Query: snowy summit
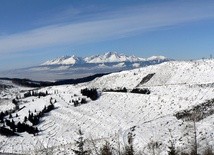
column 108, row 57
column 65, row 60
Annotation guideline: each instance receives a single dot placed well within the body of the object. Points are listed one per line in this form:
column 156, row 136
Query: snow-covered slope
column 175, row 86
column 168, row 73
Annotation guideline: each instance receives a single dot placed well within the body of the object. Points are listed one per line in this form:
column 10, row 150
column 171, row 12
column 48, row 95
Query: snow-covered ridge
column 65, row 60
column 167, row 73
column 112, row 57
column 108, row 57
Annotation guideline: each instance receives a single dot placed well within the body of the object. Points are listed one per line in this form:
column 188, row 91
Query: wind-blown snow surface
column 175, row 86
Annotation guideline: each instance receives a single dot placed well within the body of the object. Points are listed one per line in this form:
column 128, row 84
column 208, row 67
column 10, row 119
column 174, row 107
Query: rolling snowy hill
column 175, row 86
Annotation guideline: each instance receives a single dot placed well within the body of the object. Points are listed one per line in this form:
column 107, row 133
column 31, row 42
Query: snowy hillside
column 174, row 86
column 168, row 73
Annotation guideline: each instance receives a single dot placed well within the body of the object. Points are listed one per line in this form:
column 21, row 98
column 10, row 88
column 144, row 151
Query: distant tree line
column 203, row 110
column 3, row 114
column 10, row 128
column 34, row 93
column 30, row 83
column 79, row 101
column 124, row 90
column 140, row 91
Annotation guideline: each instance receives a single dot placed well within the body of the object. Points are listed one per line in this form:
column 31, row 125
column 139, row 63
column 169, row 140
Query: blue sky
column 33, row 31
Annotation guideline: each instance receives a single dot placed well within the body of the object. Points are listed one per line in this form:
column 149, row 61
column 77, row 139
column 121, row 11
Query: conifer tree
column 80, row 145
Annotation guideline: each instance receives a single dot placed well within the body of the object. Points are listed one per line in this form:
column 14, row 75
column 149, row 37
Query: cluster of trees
column 205, row 109
column 23, row 127
column 34, row 93
column 29, row 83
column 91, row 93
column 10, row 128
column 7, row 132
column 79, row 102
column 38, row 84
column 123, row 90
column 35, row 118
column 6, row 113
column 141, row 91
column 2, row 115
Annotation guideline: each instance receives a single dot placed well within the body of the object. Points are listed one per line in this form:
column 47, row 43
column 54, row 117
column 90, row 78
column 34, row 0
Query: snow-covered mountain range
column 68, row 67
column 109, row 57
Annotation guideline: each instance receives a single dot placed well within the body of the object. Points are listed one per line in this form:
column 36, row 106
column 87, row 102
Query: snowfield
column 175, row 86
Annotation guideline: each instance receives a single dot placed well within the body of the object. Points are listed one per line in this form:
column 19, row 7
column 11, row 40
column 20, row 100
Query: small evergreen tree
column 25, row 119
column 80, row 144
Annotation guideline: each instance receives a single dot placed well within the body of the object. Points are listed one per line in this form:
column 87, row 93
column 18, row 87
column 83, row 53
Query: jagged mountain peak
column 112, row 57
column 111, row 53
column 64, row 60
column 108, row 57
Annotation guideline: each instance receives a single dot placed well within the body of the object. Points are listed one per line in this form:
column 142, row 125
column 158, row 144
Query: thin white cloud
column 117, row 24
